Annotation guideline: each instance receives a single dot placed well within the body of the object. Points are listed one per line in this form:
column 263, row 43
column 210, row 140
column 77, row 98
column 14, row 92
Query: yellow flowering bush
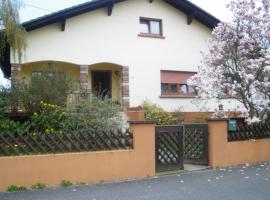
column 49, row 119
column 157, row 114
column 51, row 86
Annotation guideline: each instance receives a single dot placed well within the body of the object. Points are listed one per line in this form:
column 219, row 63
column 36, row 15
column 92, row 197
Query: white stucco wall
column 95, row 37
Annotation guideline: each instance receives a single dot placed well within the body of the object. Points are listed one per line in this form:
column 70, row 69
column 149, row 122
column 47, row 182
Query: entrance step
column 190, row 167
column 187, row 168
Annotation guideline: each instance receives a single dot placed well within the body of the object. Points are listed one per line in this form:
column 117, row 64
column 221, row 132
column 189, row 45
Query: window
column 183, row 89
column 151, row 27
column 192, row 90
column 48, row 73
column 169, row 88
column 174, row 84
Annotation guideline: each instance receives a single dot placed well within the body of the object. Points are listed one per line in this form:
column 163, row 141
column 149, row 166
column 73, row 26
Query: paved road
column 247, row 182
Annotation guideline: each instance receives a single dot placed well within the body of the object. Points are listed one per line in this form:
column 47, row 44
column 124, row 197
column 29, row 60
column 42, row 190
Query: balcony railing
column 74, row 99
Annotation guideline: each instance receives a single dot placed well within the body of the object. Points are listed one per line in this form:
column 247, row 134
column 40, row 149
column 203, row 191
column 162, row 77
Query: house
column 136, row 49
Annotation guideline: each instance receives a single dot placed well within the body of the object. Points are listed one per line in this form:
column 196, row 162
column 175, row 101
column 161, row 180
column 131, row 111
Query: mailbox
column 232, row 125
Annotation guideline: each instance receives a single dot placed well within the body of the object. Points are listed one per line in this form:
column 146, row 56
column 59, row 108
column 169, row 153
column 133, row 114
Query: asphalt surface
column 247, row 182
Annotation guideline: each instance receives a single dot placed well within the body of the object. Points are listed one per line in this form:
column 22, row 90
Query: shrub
column 38, row 186
column 65, row 183
column 15, row 188
column 201, row 118
column 49, row 118
column 157, row 114
column 8, row 126
column 178, row 115
column 98, row 113
column 5, row 99
column 50, row 86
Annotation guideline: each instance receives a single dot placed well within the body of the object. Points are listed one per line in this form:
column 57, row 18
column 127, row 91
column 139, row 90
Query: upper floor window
column 151, row 27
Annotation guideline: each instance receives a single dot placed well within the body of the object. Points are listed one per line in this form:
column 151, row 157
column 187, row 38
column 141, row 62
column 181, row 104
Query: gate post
column 144, row 143
column 217, row 138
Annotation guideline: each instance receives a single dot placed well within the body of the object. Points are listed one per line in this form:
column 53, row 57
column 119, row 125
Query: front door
column 102, row 83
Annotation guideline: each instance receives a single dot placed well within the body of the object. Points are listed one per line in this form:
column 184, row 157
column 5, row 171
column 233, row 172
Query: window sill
column 151, row 35
column 177, row 96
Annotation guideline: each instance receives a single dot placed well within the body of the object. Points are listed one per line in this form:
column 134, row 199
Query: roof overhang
column 62, row 15
column 192, row 11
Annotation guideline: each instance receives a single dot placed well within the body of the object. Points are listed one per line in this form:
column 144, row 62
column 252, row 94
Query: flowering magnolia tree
column 238, row 62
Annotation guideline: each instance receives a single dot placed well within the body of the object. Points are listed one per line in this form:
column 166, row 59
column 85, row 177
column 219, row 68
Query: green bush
column 15, row 188
column 178, row 114
column 8, row 126
column 5, row 99
column 98, row 113
column 38, row 186
column 65, row 183
column 50, row 86
column 49, row 118
column 157, row 114
column 201, row 118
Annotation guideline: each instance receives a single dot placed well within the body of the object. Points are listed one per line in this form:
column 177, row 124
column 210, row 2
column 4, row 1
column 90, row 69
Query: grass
column 15, row 188
column 38, row 186
column 65, row 183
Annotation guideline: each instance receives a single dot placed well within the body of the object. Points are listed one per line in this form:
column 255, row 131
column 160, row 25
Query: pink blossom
column 239, row 59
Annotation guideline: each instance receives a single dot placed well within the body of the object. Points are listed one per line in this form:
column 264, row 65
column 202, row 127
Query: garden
column 35, row 119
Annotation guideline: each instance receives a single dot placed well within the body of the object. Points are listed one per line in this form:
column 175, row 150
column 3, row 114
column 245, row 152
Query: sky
column 36, row 8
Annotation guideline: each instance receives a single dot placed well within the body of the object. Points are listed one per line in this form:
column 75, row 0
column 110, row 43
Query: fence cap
column 217, row 119
column 141, row 122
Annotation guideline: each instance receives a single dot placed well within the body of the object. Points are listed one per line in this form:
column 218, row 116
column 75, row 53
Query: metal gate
column 176, row 145
column 169, row 148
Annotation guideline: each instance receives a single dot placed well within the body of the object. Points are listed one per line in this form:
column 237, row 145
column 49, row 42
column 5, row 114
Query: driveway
column 247, row 182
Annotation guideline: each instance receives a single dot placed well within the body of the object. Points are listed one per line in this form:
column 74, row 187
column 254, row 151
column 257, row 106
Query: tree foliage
column 5, row 99
column 8, row 126
column 239, row 59
column 12, row 33
column 50, row 86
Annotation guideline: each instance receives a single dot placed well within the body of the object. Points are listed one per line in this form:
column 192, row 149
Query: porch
column 102, row 78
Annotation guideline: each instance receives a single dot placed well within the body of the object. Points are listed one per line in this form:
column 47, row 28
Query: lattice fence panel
column 196, row 143
column 250, row 132
column 55, row 142
column 169, row 148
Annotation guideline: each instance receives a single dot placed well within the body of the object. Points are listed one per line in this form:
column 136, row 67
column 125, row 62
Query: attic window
column 151, row 27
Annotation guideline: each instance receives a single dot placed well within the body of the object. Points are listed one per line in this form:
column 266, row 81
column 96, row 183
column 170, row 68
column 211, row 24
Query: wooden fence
column 83, row 167
column 58, row 142
column 249, row 132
